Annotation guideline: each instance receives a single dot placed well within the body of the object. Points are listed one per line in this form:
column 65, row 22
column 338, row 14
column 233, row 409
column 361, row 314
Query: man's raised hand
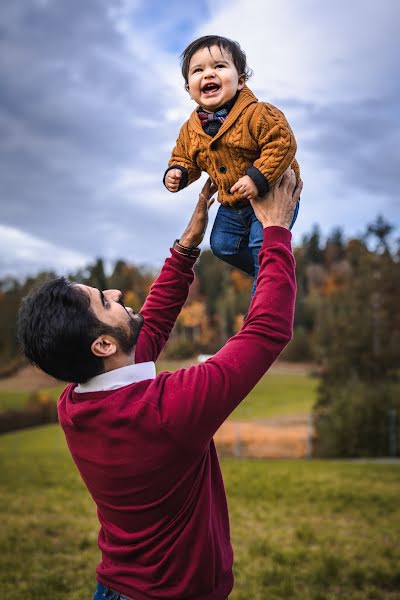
column 277, row 206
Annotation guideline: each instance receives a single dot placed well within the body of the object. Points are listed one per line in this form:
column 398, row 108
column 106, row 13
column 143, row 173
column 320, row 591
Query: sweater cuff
column 259, row 179
column 186, row 262
column 274, row 234
column 184, row 179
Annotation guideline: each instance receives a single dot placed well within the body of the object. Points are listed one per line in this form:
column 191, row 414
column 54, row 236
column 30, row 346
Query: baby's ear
column 242, row 81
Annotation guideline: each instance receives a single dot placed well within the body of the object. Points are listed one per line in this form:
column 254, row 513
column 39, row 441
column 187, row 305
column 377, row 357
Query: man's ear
column 104, row 346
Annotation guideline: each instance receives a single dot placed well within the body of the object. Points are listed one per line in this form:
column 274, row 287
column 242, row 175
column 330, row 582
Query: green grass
column 21, row 398
column 278, row 395
column 274, row 395
column 300, row 530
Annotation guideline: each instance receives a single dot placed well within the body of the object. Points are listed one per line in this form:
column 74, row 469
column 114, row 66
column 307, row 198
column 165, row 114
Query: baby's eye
column 197, row 70
column 219, row 66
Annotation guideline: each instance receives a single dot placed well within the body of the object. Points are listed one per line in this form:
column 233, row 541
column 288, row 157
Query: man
column 143, row 443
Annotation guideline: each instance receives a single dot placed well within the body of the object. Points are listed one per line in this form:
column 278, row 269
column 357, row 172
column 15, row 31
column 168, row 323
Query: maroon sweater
column 145, row 451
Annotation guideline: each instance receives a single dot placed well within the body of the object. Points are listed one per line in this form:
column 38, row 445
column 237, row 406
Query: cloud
column 24, row 254
column 92, row 100
column 330, row 68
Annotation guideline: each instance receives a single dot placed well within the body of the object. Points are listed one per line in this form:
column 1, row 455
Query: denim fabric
column 236, row 238
column 105, row 593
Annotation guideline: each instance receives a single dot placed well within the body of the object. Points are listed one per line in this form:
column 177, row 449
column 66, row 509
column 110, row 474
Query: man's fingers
column 210, row 203
column 209, row 189
column 297, row 191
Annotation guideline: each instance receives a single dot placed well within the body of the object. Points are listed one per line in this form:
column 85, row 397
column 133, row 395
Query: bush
column 180, row 348
column 353, row 419
column 11, row 420
column 299, row 349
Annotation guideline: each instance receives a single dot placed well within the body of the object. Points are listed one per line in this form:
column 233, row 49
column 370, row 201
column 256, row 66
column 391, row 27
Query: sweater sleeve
column 181, row 157
column 194, row 402
column 276, row 140
column 163, row 304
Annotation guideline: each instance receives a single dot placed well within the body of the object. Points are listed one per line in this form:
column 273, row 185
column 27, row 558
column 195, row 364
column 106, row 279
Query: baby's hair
column 237, row 54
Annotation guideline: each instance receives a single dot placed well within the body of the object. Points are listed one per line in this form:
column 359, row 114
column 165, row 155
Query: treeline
column 347, row 321
column 329, row 272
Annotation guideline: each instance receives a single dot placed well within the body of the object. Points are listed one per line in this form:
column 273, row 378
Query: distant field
column 18, row 399
column 277, row 394
column 301, row 530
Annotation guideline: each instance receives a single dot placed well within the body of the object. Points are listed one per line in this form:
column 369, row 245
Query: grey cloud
column 359, row 141
column 68, row 101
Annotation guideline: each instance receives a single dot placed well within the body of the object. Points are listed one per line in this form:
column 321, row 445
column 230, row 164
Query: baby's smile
column 210, row 88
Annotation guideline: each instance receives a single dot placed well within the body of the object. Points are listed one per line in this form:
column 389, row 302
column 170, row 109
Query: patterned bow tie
column 219, row 115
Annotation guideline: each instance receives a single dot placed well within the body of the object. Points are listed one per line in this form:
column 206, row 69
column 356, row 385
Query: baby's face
column 213, row 79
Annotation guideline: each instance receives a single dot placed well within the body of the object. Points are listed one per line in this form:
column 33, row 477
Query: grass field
column 301, row 530
column 18, row 399
column 276, row 394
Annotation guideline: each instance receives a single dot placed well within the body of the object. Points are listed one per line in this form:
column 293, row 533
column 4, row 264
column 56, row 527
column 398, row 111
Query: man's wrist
column 184, row 247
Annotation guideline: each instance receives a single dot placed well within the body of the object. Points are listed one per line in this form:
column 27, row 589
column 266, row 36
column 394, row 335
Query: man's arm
column 170, row 290
column 196, row 401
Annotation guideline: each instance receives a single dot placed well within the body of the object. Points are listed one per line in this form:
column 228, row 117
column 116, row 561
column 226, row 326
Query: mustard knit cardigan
column 254, row 134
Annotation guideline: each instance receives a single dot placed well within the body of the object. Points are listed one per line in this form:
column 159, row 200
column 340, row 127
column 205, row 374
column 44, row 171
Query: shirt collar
column 112, row 380
column 228, row 105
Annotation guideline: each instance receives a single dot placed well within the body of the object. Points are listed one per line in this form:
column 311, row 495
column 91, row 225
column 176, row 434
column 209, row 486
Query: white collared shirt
column 117, row 378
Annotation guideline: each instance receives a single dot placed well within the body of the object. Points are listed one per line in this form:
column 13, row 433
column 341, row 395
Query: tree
column 380, row 230
column 358, row 339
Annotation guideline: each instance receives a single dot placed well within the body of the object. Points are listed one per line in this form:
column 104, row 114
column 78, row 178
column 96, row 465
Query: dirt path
column 278, row 438
column 28, row 378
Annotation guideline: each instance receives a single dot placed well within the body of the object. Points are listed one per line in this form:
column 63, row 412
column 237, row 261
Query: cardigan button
column 222, row 169
column 213, row 145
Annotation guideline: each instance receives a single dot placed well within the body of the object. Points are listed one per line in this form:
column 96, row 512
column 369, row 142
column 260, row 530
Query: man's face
column 212, row 78
column 109, row 308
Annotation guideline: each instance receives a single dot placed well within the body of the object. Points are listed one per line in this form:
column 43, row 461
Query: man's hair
column 223, row 43
column 56, row 328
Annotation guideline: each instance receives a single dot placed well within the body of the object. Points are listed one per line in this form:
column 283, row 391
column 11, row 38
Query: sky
column 92, row 100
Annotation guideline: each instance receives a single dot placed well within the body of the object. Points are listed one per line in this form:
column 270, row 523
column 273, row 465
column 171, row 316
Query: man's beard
column 127, row 337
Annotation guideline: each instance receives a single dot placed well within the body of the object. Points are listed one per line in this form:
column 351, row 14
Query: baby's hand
column 246, row 188
column 172, row 179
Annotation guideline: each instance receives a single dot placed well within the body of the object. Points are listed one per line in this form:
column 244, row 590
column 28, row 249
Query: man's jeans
column 104, row 593
column 236, row 238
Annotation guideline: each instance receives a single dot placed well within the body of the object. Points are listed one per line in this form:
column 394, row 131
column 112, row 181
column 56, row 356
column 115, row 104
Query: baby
column 244, row 146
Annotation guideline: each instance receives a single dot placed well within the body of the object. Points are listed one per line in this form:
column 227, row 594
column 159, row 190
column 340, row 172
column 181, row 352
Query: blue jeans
column 105, row 593
column 236, row 238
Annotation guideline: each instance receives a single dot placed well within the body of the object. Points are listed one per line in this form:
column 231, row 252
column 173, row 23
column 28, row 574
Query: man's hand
column 246, row 188
column 194, row 232
column 172, row 180
column 277, row 206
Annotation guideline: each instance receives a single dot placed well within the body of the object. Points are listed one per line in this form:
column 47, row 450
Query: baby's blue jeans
column 236, row 238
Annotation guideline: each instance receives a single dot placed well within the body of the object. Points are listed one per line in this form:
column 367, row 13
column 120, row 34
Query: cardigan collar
column 245, row 98
column 117, row 378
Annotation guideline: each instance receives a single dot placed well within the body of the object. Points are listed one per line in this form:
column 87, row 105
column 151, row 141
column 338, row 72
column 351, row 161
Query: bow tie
column 219, row 115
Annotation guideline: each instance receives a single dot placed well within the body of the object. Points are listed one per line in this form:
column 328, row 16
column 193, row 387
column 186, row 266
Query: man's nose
column 113, row 295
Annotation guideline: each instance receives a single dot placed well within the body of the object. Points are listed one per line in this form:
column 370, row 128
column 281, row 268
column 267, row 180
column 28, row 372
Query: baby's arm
column 182, row 169
column 270, row 129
